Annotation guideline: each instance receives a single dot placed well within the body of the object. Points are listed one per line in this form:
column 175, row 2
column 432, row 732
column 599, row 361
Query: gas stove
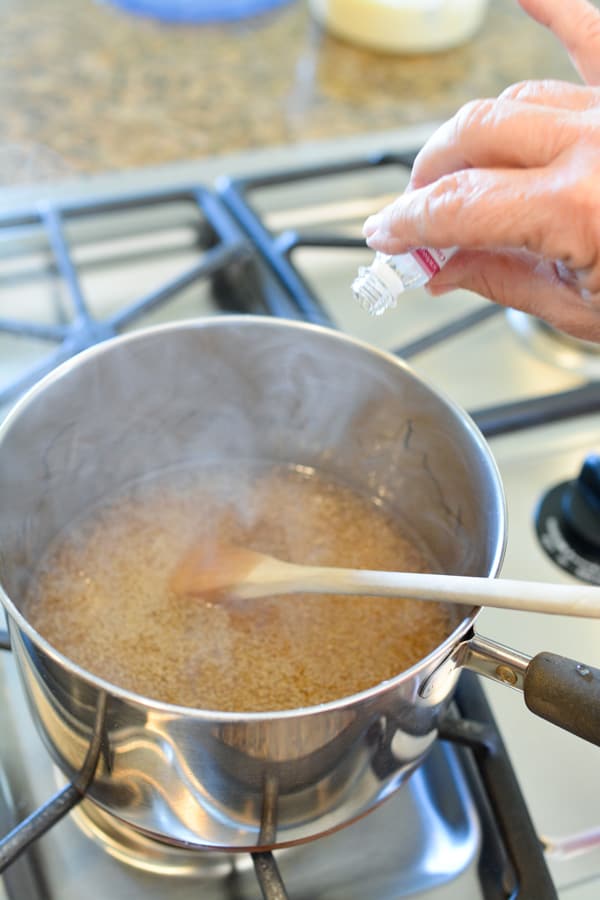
column 506, row 804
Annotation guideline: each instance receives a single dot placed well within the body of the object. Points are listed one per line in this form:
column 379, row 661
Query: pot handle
column 565, row 692
column 561, row 690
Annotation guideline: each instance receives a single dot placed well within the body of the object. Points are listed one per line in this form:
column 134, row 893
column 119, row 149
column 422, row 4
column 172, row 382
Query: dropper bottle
column 377, row 287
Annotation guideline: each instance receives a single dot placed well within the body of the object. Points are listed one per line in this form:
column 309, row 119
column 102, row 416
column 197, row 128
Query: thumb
column 576, row 23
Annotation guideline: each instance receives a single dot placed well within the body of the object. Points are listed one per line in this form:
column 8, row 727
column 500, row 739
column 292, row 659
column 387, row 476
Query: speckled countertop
column 89, row 87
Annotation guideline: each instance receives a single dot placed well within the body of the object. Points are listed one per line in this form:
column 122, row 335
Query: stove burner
column 568, row 523
column 562, row 350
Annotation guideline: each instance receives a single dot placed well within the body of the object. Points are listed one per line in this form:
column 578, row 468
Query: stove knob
column 580, row 506
column 567, row 522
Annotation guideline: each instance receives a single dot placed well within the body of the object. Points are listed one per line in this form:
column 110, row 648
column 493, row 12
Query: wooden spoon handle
column 559, row 599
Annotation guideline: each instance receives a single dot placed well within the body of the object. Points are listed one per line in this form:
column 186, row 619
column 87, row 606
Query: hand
column 515, row 183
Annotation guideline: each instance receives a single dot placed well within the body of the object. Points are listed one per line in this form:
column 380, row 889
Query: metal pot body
column 236, row 388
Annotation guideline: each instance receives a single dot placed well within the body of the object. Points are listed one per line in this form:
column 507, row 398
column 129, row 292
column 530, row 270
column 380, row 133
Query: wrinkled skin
column 515, row 183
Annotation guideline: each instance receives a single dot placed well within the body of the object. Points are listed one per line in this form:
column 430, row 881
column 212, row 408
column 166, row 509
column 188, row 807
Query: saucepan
column 286, row 391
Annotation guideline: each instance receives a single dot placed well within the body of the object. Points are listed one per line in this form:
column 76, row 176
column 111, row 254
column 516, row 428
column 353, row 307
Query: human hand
column 515, row 183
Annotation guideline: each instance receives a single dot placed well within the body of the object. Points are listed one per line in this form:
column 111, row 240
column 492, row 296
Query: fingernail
column 374, row 240
column 371, row 225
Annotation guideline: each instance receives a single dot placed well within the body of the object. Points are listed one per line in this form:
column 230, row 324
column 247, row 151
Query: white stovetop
column 558, row 773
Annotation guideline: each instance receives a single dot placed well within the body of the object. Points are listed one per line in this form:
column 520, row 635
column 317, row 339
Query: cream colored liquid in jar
column 101, row 594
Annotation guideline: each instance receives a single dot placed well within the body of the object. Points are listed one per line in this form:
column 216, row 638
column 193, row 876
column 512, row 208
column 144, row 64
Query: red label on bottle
column 427, row 260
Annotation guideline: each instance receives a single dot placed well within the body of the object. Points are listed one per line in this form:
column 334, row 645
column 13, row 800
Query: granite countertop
column 93, row 89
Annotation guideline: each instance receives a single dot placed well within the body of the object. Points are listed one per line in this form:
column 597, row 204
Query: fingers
column 491, row 133
column 522, row 282
column 576, row 23
column 473, row 209
column 549, row 92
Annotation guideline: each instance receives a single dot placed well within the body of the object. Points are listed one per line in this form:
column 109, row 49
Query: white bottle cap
column 377, row 287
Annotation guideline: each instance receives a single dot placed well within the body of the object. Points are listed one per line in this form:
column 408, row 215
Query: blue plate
column 198, row 10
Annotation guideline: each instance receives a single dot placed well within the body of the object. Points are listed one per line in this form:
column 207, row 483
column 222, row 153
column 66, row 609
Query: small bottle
column 378, row 286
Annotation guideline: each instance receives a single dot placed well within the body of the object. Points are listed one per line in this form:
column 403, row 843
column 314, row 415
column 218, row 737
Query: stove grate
column 225, row 257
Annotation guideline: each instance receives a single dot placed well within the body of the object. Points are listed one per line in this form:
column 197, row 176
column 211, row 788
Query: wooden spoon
column 246, row 574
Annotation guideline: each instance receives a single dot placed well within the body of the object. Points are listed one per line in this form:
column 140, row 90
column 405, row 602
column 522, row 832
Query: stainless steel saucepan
column 230, row 388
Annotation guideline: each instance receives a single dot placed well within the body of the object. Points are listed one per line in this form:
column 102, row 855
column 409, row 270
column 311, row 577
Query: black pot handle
column 566, row 693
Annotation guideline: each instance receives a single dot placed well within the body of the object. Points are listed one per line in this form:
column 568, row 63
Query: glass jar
column 401, row 26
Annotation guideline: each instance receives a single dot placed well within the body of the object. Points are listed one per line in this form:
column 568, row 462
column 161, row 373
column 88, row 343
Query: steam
column 231, row 391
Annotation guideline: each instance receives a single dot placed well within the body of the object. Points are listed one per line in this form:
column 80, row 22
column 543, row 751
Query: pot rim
column 222, row 716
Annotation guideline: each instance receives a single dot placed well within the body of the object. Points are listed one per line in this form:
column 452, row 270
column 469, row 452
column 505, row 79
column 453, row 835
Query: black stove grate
column 226, row 258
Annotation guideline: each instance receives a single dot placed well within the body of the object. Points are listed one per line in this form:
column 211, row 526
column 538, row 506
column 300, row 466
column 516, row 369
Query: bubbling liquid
column 101, row 594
